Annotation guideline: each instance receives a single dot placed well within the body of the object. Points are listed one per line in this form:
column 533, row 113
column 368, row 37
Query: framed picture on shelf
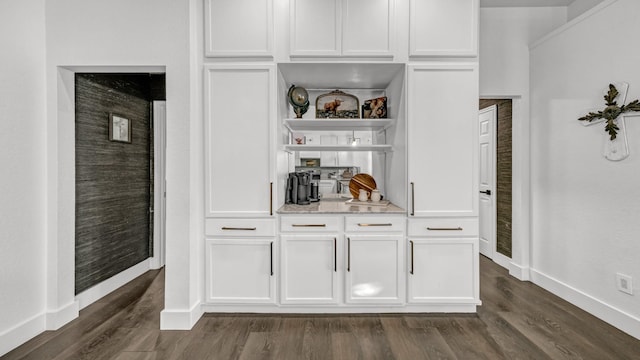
column 337, row 105
column 375, row 108
column 119, row 128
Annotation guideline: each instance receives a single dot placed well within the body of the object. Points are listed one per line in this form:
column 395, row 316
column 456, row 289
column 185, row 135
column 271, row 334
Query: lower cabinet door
column 443, row 271
column 374, row 269
column 309, row 269
column 240, row 271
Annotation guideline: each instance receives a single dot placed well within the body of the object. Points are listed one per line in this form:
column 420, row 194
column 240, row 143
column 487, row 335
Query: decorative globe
column 299, row 99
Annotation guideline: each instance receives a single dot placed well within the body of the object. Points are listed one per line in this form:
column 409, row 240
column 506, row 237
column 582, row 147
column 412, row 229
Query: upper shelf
column 337, row 124
column 379, row 148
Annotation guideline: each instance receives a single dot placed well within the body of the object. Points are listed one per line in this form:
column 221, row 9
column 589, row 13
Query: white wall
column 43, row 44
column 505, row 35
column 22, row 202
column 579, row 7
column 585, row 210
column 147, row 33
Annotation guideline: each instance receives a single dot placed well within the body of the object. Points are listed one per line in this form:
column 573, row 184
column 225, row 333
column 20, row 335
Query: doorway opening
column 119, row 179
column 496, row 200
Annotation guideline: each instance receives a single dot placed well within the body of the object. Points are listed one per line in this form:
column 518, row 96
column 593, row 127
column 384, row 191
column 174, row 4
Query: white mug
column 375, row 195
column 364, row 195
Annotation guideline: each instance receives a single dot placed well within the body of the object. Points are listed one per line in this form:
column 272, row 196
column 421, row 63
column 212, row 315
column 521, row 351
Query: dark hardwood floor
column 517, row 320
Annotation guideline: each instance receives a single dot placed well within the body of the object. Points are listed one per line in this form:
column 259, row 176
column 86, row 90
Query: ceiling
column 523, row 3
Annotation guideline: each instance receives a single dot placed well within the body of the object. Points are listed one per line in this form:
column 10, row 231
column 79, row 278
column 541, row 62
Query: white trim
column 596, row 9
column 501, row 259
column 445, row 307
column 608, row 313
column 180, row 319
column 102, row 289
column 159, row 118
column 57, row 318
column 519, row 272
column 21, row 333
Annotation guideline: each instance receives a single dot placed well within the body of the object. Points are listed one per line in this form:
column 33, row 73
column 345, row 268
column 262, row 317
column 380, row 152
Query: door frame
column 159, row 120
column 62, row 304
column 519, row 263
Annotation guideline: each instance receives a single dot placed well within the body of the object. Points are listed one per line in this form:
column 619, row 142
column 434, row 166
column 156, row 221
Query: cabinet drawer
column 309, row 223
column 374, row 224
column 443, row 227
column 240, row 227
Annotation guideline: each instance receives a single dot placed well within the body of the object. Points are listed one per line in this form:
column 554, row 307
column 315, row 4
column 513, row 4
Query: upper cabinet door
column 239, row 112
column 315, row 27
column 368, row 27
column 238, row 28
column 444, row 28
column 442, row 139
column 350, row 28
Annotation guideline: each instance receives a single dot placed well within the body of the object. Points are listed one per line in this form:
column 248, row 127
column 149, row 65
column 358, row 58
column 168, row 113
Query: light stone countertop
column 338, row 206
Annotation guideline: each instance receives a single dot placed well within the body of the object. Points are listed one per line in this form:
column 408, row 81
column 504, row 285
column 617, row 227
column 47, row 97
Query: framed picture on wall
column 119, row 128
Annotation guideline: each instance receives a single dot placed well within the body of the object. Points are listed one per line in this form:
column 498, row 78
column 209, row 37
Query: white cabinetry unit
column 240, row 106
column 443, row 28
column 443, row 271
column 240, row 270
column 442, row 139
column 363, row 28
column 309, row 269
column 238, row 28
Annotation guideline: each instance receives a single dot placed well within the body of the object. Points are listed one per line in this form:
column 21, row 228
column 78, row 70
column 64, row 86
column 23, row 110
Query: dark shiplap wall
column 112, row 178
column 504, row 174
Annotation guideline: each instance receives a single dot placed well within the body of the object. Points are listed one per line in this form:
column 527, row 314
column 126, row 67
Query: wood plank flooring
column 517, row 320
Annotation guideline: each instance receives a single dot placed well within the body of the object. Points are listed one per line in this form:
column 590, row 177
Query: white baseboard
column 522, row 273
column 180, row 319
column 97, row 292
column 21, row 333
column 55, row 319
column 616, row 317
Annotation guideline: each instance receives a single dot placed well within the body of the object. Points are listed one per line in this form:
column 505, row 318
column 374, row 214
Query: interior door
column 487, row 132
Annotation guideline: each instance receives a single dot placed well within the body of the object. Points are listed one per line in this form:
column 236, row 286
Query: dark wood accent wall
column 112, row 178
column 503, row 172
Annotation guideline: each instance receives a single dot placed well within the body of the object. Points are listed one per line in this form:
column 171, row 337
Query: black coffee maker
column 300, row 189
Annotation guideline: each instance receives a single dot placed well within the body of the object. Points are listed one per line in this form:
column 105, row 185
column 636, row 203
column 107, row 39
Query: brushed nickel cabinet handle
column 411, row 242
column 335, row 254
column 309, row 225
column 271, row 256
column 238, row 228
column 386, row 224
column 413, row 199
column 271, row 198
column 348, row 254
column 445, row 228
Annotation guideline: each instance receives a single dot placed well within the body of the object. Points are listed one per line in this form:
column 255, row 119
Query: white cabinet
column 443, row 271
column 442, row 139
column 240, row 103
column 443, row 28
column 309, row 269
column 342, row 28
column 374, row 271
column 240, row 270
column 238, row 28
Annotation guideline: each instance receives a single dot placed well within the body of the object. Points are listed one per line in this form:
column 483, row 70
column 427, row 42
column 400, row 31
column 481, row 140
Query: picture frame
column 119, row 128
column 337, row 105
column 375, row 108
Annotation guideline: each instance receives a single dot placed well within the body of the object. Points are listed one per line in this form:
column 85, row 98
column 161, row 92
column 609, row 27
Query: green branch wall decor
column 616, row 148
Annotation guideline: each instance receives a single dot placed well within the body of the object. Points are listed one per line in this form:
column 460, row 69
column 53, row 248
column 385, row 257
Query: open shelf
column 379, row 148
column 337, row 124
